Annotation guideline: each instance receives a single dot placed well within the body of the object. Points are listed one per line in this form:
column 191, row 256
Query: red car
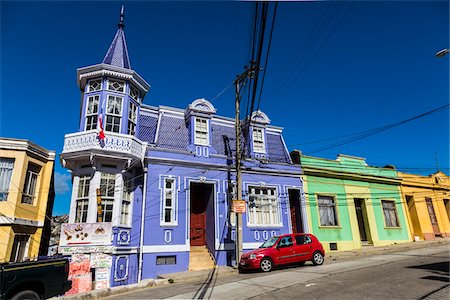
column 283, row 250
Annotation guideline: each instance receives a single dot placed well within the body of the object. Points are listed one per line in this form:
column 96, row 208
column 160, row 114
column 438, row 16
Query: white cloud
column 62, row 183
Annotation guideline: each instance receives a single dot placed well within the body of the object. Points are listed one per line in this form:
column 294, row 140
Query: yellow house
column 26, row 199
column 428, row 201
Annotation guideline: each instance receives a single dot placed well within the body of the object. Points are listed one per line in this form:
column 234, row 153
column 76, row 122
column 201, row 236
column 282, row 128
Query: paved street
column 414, row 274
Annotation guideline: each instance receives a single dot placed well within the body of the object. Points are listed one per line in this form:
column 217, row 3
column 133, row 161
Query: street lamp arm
column 442, row 53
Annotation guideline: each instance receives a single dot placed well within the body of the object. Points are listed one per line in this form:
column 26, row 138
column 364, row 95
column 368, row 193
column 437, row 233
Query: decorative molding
column 125, row 267
column 166, row 248
column 28, row 146
column 123, row 237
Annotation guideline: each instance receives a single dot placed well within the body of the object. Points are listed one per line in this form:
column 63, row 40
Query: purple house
column 154, row 196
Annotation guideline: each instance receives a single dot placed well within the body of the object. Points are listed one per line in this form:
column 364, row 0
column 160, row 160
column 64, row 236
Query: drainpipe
column 141, row 242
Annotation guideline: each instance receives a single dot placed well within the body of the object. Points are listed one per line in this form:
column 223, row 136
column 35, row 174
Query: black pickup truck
column 40, row 279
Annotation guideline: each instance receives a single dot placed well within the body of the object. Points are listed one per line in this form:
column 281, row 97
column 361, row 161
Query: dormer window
column 91, row 112
column 116, row 86
column 201, row 131
column 134, row 93
column 132, row 118
column 94, row 85
column 113, row 113
column 258, row 141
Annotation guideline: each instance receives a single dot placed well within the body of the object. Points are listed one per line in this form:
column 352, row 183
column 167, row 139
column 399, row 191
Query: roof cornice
column 29, row 147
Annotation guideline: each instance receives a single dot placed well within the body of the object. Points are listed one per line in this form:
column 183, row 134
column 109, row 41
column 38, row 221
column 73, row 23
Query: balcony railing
column 120, row 144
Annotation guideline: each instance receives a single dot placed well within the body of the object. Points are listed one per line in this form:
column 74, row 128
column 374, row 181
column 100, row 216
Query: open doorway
column 201, row 213
column 296, row 212
column 363, row 225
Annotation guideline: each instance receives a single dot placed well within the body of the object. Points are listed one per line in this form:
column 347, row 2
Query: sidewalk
column 224, row 272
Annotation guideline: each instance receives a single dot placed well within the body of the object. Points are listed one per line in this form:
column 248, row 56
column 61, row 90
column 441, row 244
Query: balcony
column 115, row 145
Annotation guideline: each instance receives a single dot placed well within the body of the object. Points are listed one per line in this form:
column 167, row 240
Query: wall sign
column 238, row 206
column 86, row 234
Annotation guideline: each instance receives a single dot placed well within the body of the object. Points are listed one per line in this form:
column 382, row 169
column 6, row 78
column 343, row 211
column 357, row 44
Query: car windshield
column 269, row 243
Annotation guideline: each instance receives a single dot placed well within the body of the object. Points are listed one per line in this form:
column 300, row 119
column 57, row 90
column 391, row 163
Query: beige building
column 26, row 199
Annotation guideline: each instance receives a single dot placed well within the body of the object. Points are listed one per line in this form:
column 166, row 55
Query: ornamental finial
column 121, row 24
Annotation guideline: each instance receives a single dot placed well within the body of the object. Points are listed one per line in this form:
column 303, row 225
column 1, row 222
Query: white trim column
column 73, row 200
column 118, row 191
column 93, row 186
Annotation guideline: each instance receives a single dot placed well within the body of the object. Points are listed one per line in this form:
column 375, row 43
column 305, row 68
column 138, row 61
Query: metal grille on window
column 107, row 188
column 327, row 210
column 6, row 170
column 132, row 118
column 390, row 214
column 31, row 179
column 264, row 208
column 169, row 198
column 258, row 141
column 201, row 131
column 113, row 114
column 82, row 202
column 92, row 112
column 94, row 85
column 116, row 86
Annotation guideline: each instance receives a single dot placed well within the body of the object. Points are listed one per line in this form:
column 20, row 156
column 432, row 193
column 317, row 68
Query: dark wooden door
column 360, row 218
column 296, row 217
column 433, row 219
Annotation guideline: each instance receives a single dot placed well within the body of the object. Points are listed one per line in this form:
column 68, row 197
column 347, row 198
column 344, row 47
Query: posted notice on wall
column 238, row 206
column 85, row 234
column 101, row 278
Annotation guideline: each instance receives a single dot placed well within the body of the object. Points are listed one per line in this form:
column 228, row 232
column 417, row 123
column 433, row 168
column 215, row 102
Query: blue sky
column 335, row 68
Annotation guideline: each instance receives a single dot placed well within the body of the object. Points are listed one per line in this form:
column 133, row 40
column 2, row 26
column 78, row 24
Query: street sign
column 238, row 206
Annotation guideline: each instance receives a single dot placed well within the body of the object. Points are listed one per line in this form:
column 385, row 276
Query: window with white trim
column 116, row 86
column 327, row 210
column 132, row 118
column 29, row 188
column 258, row 141
column 92, row 112
column 82, row 202
column 94, row 85
column 263, row 206
column 169, row 202
column 201, row 132
column 113, row 113
column 126, row 204
column 6, row 170
column 390, row 213
column 134, row 93
column 20, row 247
column 107, row 188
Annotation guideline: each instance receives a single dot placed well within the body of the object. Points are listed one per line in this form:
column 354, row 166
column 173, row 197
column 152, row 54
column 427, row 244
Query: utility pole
column 239, row 197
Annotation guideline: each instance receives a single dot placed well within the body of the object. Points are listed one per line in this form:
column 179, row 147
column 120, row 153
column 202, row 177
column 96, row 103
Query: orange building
column 428, row 201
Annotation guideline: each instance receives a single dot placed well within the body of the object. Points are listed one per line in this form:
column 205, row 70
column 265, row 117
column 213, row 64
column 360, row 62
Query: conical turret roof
column 117, row 54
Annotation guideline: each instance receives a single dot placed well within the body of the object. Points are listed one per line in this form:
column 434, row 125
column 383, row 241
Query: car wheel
column 317, row 258
column 266, row 265
column 26, row 295
column 241, row 270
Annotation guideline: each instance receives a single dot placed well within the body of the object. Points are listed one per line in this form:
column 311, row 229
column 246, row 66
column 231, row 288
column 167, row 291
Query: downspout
column 141, row 242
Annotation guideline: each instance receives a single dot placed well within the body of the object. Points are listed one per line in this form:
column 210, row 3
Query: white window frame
column 261, row 142
column 30, row 187
column 174, row 203
column 264, row 209
column 113, row 115
column 105, row 189
column 125, row 206
column 89, row 90
column 232, row 197
column 198, row 141
column 6, row 170
column 82, row 201
column 130, row 92
column 93, row 115
column 388, row 223
column 109, row 86
column 327, row 209
column 17, row 248
column 132, row 114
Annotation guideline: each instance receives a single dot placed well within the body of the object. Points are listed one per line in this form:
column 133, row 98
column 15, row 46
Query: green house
column 350, row 204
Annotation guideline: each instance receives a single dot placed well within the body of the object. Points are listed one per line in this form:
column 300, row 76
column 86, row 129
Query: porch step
column 200, row 259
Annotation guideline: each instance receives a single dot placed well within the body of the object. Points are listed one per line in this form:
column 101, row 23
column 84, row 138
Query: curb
column 96, row 294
